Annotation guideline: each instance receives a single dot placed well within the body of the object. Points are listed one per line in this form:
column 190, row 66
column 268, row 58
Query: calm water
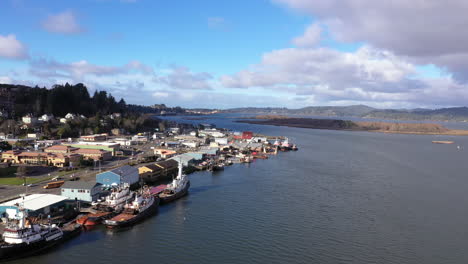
column 344, row 197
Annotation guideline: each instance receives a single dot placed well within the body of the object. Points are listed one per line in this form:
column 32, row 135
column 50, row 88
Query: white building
column 221, row 140
column 124, row 141
column 191, row 144
column 138, row 138
column 46, row 118
column 28, row 119
column 211, row 132
column 70, row 116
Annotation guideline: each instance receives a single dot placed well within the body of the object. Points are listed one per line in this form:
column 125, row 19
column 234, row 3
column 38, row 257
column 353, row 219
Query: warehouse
column 35, row 204
column 117, row 176
column 82, row 191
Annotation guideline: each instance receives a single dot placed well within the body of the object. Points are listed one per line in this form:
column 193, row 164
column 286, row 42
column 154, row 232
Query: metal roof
column 36, row 201
column 124, row 170
column 79, row 185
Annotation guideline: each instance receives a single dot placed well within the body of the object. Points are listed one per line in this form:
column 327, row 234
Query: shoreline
column 346, row 125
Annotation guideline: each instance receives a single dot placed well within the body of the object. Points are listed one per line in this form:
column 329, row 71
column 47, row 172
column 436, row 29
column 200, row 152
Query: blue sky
column 223, row 54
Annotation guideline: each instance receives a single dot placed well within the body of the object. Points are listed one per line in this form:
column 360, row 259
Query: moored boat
column 93, row 219
column 21, row 238
column 142, row 206
column 116, row 200
column 285, row 146
column 177, row 188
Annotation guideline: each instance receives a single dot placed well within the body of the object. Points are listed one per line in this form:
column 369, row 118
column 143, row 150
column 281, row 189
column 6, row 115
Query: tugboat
column 22, row 238
column 116, row 200
column 178, row 188
column 285, row 146
column 142, row 206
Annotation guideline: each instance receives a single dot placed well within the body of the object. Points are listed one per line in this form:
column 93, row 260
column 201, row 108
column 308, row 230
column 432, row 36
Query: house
column 94, row 138
column 33, row 135
column 70, row 116
column 82, row 191
column 29, row 119
column 46, row 118
column 117, row 176
column 115, row 116
column 164, row 153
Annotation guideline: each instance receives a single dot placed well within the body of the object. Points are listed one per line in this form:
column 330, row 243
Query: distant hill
column 363, row 111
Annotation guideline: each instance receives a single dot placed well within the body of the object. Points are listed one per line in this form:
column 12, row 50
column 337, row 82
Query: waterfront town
column 54, row 188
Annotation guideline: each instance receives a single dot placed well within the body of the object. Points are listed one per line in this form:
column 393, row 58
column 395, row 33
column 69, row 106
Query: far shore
column 346, row 125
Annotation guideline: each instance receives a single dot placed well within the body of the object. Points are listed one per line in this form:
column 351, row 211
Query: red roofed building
column 95, row 154
column 60, row 149
column 247, row 135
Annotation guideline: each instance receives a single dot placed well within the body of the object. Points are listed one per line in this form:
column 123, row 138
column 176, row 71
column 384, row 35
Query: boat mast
column 179, row 176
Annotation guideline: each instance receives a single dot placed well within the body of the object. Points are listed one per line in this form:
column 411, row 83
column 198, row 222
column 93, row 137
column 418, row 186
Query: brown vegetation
column 335, row 124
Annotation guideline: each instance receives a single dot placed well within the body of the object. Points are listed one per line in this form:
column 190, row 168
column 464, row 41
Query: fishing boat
column 141, row 207
column 177, row 188
column 93, row 219
column 116, row 200
column 277, row 143
column 285, row 146
column 22, row 238
column 218, row 167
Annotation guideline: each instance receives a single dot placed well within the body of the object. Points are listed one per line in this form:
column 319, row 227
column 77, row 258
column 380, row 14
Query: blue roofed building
column 117, row 176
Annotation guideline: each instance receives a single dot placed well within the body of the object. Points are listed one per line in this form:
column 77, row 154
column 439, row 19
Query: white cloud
column 80, row 69
column 326, row 76
column 310, row 38
column 62, row 23
column 366, row 67
column 11, row 48
column 427, row 32
column 183, row 78
column 6, row 80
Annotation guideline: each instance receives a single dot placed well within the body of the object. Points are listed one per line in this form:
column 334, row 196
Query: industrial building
column 82, row 191
column 35, row 204
column 117, row 176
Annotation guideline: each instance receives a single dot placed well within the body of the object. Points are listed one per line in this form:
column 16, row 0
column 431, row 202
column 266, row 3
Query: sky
column 257, row 53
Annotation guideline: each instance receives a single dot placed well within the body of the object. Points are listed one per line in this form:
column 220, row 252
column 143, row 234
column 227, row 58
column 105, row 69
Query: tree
column 5, row 146
column 22, row 171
